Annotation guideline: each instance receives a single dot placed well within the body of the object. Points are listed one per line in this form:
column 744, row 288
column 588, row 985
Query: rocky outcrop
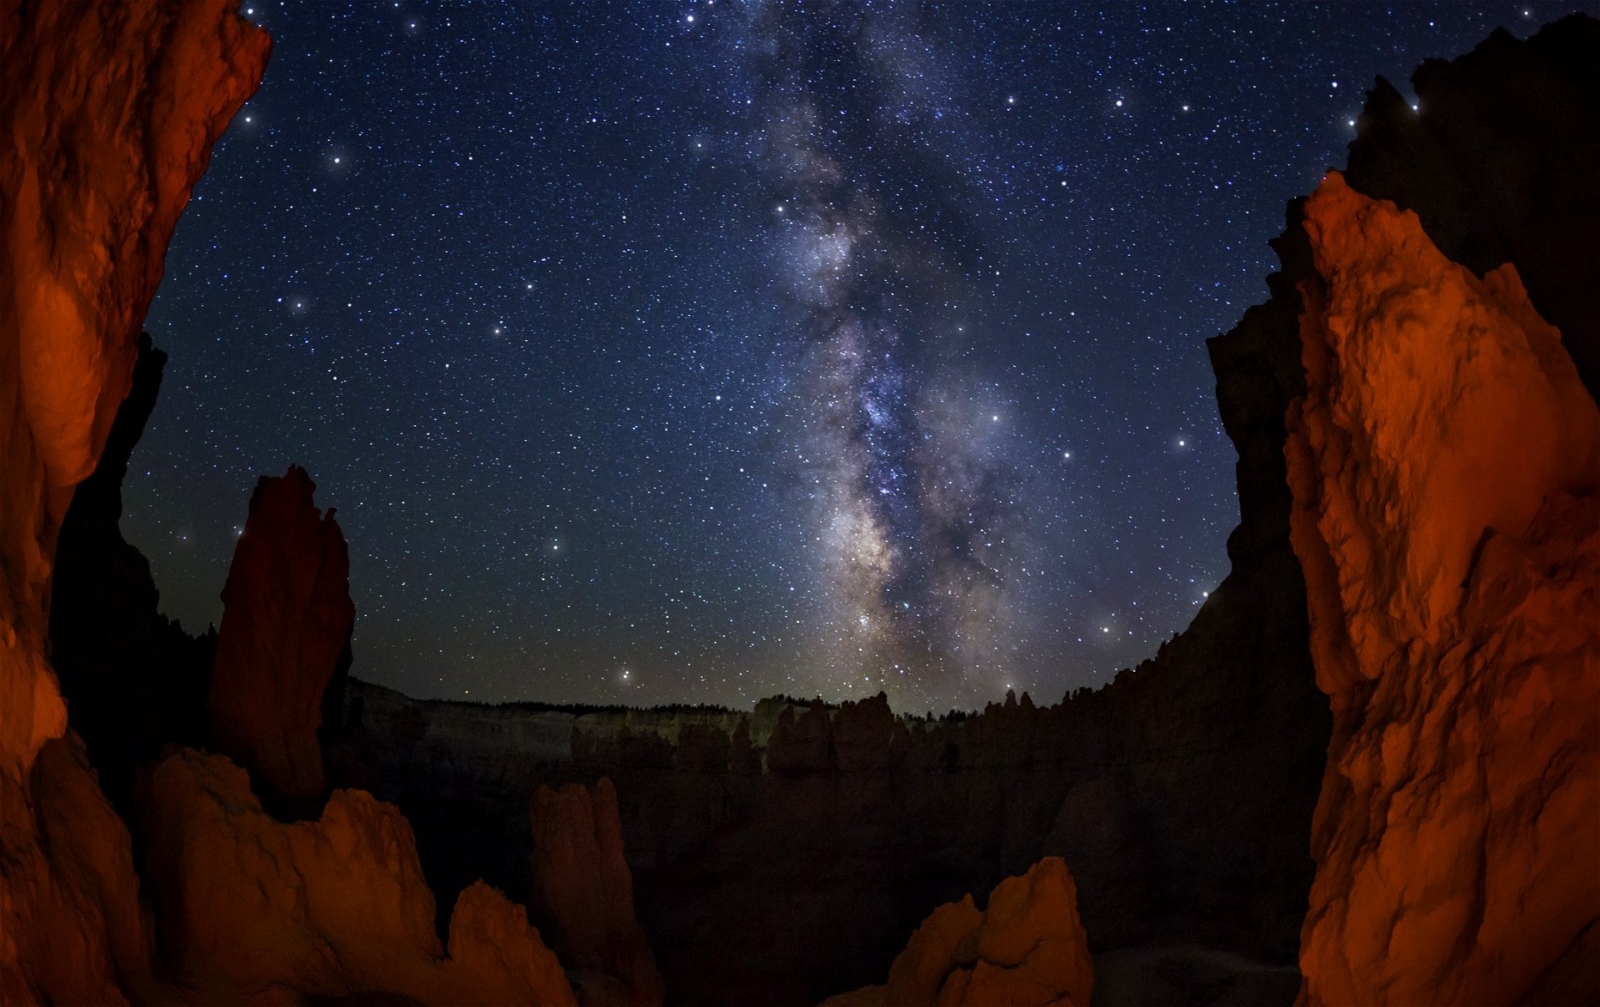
column 1498, row 161
column 87, row 937
column 250, row 907
column 583, row 889
column 285, row 636
column 110, row 111
column 1026, row 947
column 1445, row 463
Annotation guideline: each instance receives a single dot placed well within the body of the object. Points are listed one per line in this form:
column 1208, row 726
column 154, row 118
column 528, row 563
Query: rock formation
column 81, row 933
column 1027, row 947
column 1445, row 463
column 285, row 635
column 583, row 888
column 1498, row 162
column 110, row 111
column 249, row 907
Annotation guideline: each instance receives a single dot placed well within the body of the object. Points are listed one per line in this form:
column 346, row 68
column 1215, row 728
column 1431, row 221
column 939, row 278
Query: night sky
column 702, row 351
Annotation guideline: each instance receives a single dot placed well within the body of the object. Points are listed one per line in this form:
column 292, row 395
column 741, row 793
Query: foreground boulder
column 1027, row 948
column 250, row 907
column 285, row 633
column 1445, row 465
column 583, row 888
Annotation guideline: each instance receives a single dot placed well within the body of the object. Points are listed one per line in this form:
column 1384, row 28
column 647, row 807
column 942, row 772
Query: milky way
column 700, row 351
column 903, row 460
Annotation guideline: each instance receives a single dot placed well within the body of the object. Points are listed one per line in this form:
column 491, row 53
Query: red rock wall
column 1445, row 465
column 109, row 113
column 286, row 623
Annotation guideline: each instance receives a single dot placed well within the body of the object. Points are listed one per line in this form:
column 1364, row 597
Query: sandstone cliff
column 110, row 112
column 1445, row 463
column 285, row 637
column 1025, row 948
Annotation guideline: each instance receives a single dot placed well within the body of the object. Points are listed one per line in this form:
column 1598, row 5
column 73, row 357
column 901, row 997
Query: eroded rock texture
column 250, row 907
column 583, row 890
column 1499, row 165
column 285, row 635
column 1445, row 463
column 109, row 111
column 1027, row 947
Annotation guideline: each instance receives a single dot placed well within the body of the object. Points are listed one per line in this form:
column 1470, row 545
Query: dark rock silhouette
column 285, row 637
column 1499, row 163
column 132, row 678
column 870, row 820
column 583, row 892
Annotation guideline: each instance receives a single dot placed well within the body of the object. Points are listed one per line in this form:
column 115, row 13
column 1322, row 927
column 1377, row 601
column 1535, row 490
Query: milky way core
column 904, row 458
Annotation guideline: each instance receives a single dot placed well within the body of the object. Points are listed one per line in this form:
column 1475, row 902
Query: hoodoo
column 285, row 636
column 1445, row 463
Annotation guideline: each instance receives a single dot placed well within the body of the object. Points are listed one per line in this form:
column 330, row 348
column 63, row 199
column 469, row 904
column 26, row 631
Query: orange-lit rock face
column 1028, row 947
column 109, row 113
column 286, row 620
column 1445, row 463
column 582, row 886
column 249, row 907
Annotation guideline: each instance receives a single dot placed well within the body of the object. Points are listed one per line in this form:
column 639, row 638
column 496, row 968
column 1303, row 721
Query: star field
column 701, row 351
